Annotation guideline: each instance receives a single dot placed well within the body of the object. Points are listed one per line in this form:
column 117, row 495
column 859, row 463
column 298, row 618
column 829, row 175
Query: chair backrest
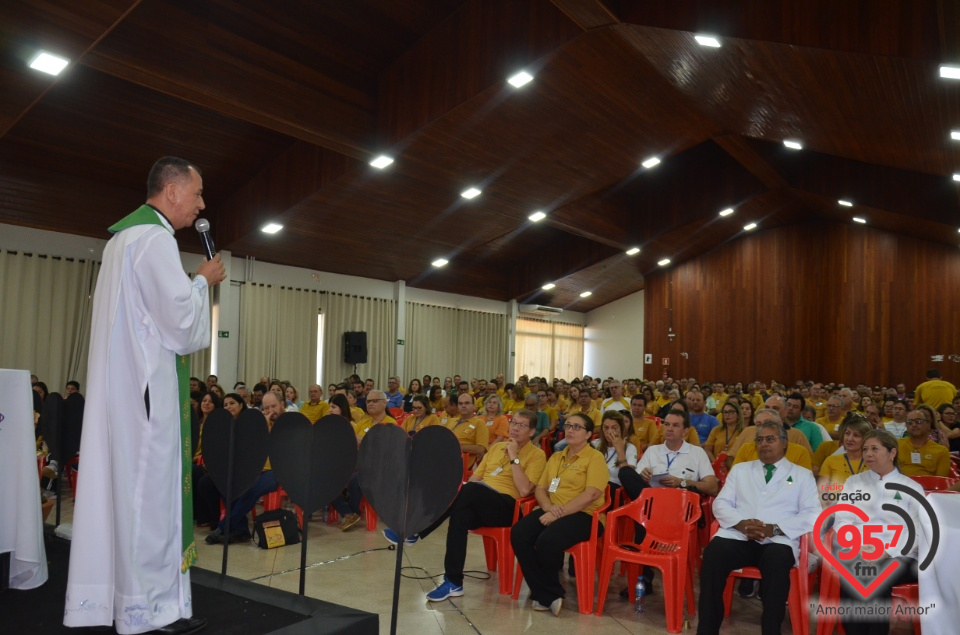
column 934, row 483
column 720, row 467
column 666, row 513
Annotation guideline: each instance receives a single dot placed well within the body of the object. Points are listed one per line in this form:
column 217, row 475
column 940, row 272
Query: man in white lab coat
column 763, row 510
column 131, row 547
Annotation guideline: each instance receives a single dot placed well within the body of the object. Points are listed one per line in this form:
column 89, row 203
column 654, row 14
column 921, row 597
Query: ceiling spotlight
column 844, row 203
column 793, row 145
column 649, row 163
column 439, row 262
column 862, row 221
column 950, row 72
column 520, row 79
column 271, row 228
column 750, row 226
column 537, row 216
column 49, row 63
column 726, row 212
column 548, row 286
column 707, row 40
column 633, row 251
column 956, row 176
column 664, row 262
column 381, row 161
column 586, row 294
column 955, row 135
column 470, row 193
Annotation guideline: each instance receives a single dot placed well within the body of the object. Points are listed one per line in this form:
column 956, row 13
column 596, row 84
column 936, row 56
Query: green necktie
column 769, row 469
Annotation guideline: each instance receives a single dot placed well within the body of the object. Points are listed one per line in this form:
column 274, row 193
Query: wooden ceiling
column 282, row 105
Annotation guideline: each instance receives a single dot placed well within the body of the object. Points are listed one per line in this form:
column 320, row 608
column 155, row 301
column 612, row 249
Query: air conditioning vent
column 539, row 309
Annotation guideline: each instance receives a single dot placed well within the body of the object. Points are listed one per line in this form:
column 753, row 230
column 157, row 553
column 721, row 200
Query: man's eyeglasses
column 770, row 439
column 517, row 424
column 374, row 400
column 917, row 421
column 573, row 426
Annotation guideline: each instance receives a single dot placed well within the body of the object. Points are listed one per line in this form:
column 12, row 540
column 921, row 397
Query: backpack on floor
column 276, row 528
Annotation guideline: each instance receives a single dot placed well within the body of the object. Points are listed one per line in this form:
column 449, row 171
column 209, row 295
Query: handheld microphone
column 206, row 242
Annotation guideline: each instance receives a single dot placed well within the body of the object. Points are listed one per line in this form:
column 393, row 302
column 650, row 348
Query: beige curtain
column 278, row 334
column 45, row 316
column 549, row 349
column 447, row 341
column 377, row 317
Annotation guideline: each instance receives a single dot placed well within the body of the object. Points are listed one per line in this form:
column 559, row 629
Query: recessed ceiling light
column 707, row 40
column 950, row 72
column 49, row 63
column 633, row 251
column 586, row 294
column 726, row 212
column 520, row 79
column 271, row 228
column 793, row 145
column 750, row 226
column 955, row 135
column 862, row 221
column 548, row 286
column 844, row 203
column 956, row 176
column 439, row 262
column 649, row 163
column 470, row 193
column 664, row 262
column 537, row 216
column 381, row 161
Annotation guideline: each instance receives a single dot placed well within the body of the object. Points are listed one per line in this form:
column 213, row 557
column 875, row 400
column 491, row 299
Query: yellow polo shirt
column 471, row 431
column 644, row 434
column 532, row 462
column 411, row 421
column 796, row 454
column 363, row 426
column 932, row 459
column 315, row 412
column 587, row 469
column 837, row 469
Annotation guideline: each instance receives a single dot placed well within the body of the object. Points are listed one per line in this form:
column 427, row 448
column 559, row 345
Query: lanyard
column 670, row 461
column 850, row 465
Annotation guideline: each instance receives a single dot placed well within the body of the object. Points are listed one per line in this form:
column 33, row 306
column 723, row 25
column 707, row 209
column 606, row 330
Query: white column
column 513, row 311
column 400, row 297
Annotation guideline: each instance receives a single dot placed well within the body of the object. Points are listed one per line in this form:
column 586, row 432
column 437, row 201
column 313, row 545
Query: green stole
column 146, row 215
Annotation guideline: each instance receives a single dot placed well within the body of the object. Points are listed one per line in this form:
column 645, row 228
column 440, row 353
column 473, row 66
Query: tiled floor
column 356, row 569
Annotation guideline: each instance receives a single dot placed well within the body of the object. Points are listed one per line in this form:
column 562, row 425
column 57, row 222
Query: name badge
column 473, row 426
column 554, row 484
column 915, row 458
column 496, row 471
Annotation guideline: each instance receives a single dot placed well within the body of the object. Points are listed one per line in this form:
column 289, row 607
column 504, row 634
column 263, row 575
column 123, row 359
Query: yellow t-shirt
column 471, row 431
column 692, row 437
column 644, row 434
column 837, row 469
column 593, row 413
column 932, row 459
column 499, row 426
column 719, row 440
column 357, row 413
column 532, row 462
column 315, row 412
column 830, row 425
column 824, row 450
column 749, row 434
column 796, row 454
column 553, row 414
column 587, row 469
column 363, row 426
column 410, row 423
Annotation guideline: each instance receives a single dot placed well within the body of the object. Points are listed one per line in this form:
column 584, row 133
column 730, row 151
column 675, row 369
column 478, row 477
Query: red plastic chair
column 800, row 582
column 369, row 514
column 498, row 549
column 670, row 518
column 274, row 500
column 585, row 557
column 935, row 483
column 395, row 412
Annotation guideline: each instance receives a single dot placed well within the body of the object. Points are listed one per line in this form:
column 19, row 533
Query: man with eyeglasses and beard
column 508, row 471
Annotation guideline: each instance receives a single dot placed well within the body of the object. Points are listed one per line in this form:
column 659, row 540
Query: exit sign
column 401, row 342
column 223, row 333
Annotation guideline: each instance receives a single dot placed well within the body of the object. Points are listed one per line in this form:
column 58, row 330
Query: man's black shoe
column 183, row 626
column 215, row 537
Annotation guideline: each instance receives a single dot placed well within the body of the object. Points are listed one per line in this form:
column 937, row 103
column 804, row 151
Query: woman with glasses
column 723, row 436
column 883, row 507
column 420, row 416
column 947, row 424
column 570, row 489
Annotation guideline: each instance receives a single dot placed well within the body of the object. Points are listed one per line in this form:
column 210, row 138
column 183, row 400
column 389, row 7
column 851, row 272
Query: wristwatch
column 776, row 530
column 683, row 484
column 515, row 461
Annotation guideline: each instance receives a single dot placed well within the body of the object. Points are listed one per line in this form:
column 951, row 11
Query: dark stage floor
column 230, row 605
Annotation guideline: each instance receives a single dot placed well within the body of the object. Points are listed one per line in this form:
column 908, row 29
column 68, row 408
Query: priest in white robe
column 131, row 552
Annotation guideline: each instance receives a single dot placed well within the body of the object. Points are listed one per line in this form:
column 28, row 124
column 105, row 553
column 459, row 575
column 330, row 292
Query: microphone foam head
column 202, row 225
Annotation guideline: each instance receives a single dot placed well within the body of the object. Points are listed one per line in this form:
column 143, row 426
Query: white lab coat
column 789, row 500
column 126, row 554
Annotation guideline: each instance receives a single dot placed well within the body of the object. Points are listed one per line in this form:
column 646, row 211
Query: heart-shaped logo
column 864, row 591
column 250, row 437
column 313, row 462
column 410, row 481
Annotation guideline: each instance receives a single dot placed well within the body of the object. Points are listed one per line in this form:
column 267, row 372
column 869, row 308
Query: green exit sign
column 223, row 333
column 401, row 342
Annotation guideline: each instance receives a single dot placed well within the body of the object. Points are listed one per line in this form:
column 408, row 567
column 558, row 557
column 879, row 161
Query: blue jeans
column 351, row 505
column 265, row 484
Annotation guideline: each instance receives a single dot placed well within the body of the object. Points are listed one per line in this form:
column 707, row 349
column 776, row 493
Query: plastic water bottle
column 640, row 591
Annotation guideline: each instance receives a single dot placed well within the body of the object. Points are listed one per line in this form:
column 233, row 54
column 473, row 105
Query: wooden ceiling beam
column 587, row 14
column 736, row 146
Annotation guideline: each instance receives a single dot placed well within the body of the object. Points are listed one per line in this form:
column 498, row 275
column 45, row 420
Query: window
column 549, row 349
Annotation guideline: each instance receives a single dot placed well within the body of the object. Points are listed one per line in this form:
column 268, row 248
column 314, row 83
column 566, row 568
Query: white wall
column 614, row 339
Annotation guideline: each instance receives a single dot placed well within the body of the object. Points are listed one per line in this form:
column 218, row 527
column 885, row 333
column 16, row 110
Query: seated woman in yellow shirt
column 837, row 468
column 420, row 416
column 723, row 436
